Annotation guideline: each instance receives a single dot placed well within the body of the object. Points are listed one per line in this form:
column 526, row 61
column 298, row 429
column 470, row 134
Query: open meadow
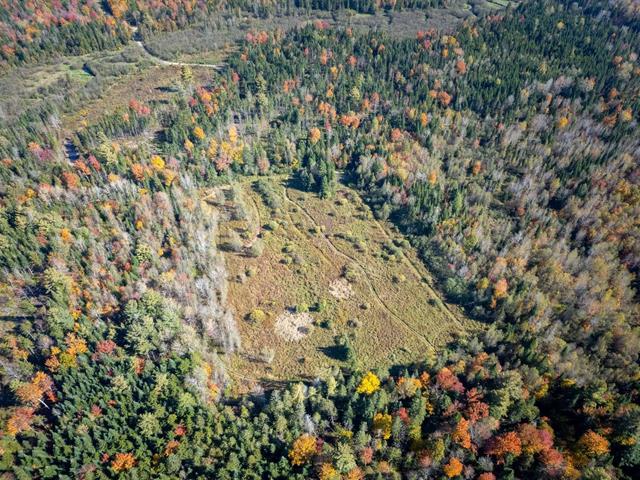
column 312, row 279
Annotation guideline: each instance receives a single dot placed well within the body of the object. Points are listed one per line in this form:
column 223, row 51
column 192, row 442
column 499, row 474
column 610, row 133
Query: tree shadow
column 335, row 352
column 294, row 183
column 165, row 89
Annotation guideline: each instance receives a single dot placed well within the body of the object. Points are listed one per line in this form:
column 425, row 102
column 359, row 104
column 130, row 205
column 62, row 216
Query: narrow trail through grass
column 309, row 245
column 355, row 261
column 422, row 276
column 177, row 64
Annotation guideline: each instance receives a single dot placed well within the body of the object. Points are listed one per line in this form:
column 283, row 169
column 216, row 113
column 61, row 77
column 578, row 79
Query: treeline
column 34, row 33
column 448, row 418
column 75, row 28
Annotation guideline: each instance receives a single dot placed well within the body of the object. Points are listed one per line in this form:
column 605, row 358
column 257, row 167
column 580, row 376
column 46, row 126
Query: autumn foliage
column 453, row 468
column 123, row 462
column 369, row 384
column 303, row 448
column 593, row 444
column 506, row 444
column 461, row 434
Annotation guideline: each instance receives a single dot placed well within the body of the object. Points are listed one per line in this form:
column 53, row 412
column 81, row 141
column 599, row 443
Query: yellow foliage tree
column 157, row 163
column 212, row 150
column 303, row 449
column 198, row 132
column 382, row 423
column 66, row 236
column 233, row 134
column 327, row 472
column 369, row 384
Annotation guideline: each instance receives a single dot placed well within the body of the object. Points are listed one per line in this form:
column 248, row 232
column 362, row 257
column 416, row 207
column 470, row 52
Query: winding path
column 422, row 276
column 136, row 39
column 258, row 227
column 178, row 64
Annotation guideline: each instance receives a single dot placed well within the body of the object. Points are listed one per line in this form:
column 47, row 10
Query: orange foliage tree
column 31, row 393
column 314, row 135
column 303, row 449
column 506, row 444
column 122, row 462
column 461, row 434
column 500, row 288
column 486, row 476
column 20, row 420
column 118, row 7
column 534, row 440
column 448, row 381
column 593, row 444
column 453, row 468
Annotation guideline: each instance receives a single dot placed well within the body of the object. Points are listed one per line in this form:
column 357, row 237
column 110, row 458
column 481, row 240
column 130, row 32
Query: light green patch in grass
column 78, row 74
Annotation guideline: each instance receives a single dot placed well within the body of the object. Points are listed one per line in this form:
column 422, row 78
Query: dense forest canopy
column 508, row 154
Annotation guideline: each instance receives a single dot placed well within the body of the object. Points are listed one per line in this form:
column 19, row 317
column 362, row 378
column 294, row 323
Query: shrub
column 321, row 305
column 256, row 248
column 350, row 272
column 257, row 315
column 233, row 244
column 266, row 355
column 251, row 272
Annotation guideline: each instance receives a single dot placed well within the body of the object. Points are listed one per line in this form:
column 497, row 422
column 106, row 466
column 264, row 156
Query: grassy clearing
column 329, row 262
column 213, row 39
column 154, row 84
column 69, row 82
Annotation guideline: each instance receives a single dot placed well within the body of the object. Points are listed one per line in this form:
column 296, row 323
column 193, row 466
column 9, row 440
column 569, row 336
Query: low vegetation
column 233, row 271
column 313, row 268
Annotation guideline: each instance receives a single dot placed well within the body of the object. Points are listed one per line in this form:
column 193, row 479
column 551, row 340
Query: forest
column 502, row 152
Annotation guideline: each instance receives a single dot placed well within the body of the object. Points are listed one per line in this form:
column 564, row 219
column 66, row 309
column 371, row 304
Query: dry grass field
column 304, row 271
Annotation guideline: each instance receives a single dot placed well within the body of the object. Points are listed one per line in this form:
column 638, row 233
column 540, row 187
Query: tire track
column 423, row 278
column 177, row 64
column 338, row 252
column 258, row 219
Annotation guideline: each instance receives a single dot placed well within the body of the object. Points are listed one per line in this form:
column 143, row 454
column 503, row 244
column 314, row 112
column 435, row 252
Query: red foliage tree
column 506, row 444
column 448, row 381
